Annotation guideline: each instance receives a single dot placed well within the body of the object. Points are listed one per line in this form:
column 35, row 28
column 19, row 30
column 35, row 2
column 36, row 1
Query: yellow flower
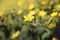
column 54, row 14
column 51, row 26
column 19, row 12
column 58, row 6
column 28, row 18
column 15, row 34
column 31, row 13
column 42, row 13
column 43, row 2
column 31, row 6
column 54, row 38
column 59, row 14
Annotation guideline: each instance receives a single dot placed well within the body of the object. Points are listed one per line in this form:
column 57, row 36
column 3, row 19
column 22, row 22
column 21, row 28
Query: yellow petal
column 31, row 18
column 28, row 18
column 15, row 34
column 31, row 13
column 25, row 18
column 19, row 12
column 53, row 14
column 59, row 14
column 58, row 6
column 31, row 6
column 52, row 25
column 42, row 13
column 54, row 38
column 43, row 2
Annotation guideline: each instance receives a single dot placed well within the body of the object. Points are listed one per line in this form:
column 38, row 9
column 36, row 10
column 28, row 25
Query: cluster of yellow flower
column 42, row 13
column 39, row 12
column 30, row 16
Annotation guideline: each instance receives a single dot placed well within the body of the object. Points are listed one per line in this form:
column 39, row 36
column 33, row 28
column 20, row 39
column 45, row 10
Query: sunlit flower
column 54, row 38
column 15, row 34
column 31, row 6
column 51, row 26
column 31, row 13
column 43, row 2
column 58, row 6
column 28, row 18
column 42, row 13
column 19, row 12
column 59, row 14
column 53, row 14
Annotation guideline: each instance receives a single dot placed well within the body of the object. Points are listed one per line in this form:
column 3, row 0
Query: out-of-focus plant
column 35, row 23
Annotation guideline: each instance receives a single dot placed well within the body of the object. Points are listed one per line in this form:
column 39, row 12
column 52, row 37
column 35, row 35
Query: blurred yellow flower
column 54, row 38
column 59, row 14
column 51, row 26
column 42, row 13
column 31, row 6
column 31, row 13
column 28, row 18
column 54, row 14
column 15, row 34
column 19, row 12
column 58, row 6
column 43, row 2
